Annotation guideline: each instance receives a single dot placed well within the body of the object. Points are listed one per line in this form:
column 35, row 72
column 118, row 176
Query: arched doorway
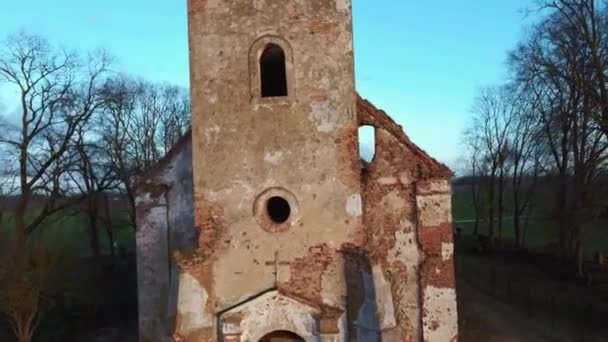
column 281, row 336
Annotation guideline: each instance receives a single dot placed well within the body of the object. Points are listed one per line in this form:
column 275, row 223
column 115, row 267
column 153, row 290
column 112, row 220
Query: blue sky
column 421, row 61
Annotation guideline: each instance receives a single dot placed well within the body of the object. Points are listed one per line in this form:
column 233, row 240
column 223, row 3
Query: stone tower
column 272, row 83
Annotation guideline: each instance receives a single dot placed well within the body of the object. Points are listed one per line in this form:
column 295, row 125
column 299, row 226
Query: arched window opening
column 367, row 143
column 281, row 336
column 272, row 71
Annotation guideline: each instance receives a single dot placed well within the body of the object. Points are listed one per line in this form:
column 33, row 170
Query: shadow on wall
column 361, row 309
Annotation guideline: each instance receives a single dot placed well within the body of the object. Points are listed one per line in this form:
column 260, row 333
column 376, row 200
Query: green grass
column 540, row 232
column 71, row 234
column 543, row 232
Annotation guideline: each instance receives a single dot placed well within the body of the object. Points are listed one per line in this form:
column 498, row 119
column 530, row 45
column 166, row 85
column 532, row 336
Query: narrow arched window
column 272, row 71
column 367, row 143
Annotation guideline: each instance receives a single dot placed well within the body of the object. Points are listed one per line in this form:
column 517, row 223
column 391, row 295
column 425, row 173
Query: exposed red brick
column 307, row 273
column 436, row 272
column 432, row 238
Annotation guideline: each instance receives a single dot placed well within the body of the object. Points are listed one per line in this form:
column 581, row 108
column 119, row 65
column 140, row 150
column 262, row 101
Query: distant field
column 540, row 232
column 69, row 233
column 543, row 232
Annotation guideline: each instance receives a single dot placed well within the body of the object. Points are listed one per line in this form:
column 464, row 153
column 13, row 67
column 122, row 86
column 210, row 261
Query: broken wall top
column 368, row 114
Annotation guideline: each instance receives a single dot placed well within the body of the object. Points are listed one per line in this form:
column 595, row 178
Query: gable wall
column 165, row 224
column 407, row 217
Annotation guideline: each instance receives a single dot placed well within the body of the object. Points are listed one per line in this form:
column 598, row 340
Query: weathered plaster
column 192, row 297
column 384, row 299
column 447, row 251
column 441, row 323
column 438, row 209
column 354, row 206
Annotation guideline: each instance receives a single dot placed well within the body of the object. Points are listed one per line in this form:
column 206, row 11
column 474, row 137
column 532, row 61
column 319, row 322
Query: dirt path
column 482, row 318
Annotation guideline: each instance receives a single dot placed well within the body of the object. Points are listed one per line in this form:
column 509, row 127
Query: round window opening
column 278, row 209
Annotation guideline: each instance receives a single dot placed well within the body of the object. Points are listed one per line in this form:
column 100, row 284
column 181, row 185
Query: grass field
column 540, row 231
column 543, row 232
column 70, row 234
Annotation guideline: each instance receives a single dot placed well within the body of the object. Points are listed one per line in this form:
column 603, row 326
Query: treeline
column 80, row 130
column 81, row 134
column 548, row 121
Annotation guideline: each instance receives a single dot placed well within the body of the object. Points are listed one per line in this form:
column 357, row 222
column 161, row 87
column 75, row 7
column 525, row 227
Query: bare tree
column 57, row 93
column 525, row 160
column 493, row 116
column 478, row 169
column 93, row 175
column 25, row 280
column 586, row 22
column 141, row 123
column 555, row 65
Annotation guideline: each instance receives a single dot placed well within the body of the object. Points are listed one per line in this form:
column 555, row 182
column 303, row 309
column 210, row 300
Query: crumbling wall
column 152, row 263
column 390, row 216
column 400, row 215
column 438, row 292
column 165, row 224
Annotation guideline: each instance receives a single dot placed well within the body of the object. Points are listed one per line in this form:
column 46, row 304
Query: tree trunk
column 564, row 217
column 500, row 201
column 491, row 208
column 93, row 226
column 94, row 236
column 579, row 259
column 108, row 224
column 515, row 211
column 20, row 221
column 476, row 205
column 517, row 230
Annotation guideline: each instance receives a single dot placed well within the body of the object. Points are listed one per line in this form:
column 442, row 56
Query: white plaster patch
column 212, row 133
column 434, row 210
column 343, row 326
column 405, row 179
column 342, row 5
column 190, row 306
column 387, row 180
column 405, row 248
column 214, row 3
column 440, row 322
column 406, row 251
column 259, row 4
column 438, row 186
column 332, row 284
column 354, row 206
column 384, row 299
column 273, row 157
column 324, row 83
column 322, row 116
column 447, row 250
column 146, row 199
column 393, row 202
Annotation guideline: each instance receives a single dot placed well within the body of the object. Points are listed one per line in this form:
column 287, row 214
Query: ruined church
column 264, row 223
